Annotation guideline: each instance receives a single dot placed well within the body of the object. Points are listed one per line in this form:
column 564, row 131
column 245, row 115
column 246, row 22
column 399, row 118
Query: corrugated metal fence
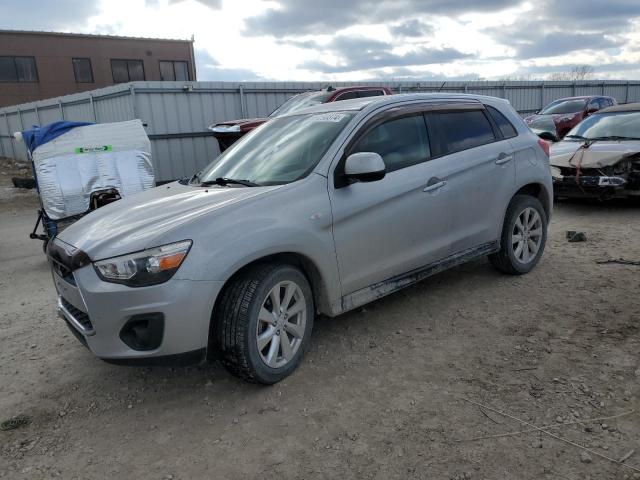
column 177, row 114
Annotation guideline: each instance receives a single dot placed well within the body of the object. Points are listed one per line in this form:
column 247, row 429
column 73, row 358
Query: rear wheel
column 524, row 235
column 264, row 322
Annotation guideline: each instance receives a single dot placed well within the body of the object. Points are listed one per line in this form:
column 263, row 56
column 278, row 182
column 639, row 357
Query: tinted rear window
column 370, row 93
column 505, row 126
column 463, row 130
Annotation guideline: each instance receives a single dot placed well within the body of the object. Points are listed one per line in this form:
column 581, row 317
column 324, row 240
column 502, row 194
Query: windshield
column 301, row 101
column 280, row 151
column 604, row 125
column 564, row 106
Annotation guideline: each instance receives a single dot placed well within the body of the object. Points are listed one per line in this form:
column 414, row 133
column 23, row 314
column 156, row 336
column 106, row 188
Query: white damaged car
column 599, row 157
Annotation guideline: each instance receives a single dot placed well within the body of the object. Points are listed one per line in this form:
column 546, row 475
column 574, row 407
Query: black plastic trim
column 192, row 357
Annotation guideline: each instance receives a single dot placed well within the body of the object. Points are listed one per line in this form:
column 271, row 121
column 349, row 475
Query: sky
column 350, row 40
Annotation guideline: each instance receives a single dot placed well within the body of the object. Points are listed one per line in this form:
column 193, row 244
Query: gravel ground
column 383, row 393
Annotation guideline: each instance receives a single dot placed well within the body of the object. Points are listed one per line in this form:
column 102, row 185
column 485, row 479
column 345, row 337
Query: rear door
column 388, row 227
column 478, row 165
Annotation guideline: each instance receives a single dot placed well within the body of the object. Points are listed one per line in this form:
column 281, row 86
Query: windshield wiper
column 614, row 137
column 226, row 181
column 579, row 137
column 189, row 181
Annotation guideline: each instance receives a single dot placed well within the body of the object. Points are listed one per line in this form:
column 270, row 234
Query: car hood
column 597, row 155
column 553, row 118
column 140, row 221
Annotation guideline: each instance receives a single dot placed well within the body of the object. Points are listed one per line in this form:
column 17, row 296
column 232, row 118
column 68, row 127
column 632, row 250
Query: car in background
column 562, row 115
column 230, row 131
column 319, row 211
column 600, row 157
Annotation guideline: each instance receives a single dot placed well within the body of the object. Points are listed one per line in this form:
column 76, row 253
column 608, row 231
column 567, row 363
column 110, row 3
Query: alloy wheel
column 281, row 324
column 526, row 237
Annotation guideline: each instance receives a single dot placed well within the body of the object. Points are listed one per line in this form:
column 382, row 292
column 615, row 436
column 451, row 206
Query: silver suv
column 316, row 212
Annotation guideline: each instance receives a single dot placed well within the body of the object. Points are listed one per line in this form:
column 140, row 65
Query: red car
column 230, row 131
column 564, row 114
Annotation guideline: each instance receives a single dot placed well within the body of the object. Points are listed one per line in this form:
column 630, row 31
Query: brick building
column 38, row 65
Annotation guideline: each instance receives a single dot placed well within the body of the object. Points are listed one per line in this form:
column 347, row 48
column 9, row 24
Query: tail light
column 544, row 145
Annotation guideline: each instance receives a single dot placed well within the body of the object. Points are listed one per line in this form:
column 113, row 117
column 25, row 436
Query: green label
column 103, row 148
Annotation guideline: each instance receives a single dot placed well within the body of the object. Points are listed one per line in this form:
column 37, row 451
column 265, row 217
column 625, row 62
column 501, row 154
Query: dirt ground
column 382, row 394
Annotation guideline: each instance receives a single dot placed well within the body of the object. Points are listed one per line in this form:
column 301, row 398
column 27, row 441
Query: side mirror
column 365, row 167
column 549, row 136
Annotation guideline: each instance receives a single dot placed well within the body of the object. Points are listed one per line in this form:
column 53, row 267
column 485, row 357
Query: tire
column 510, row 259
column 240, row 320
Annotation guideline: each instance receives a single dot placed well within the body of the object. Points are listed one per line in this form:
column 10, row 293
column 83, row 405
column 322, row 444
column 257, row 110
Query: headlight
column 148, row 267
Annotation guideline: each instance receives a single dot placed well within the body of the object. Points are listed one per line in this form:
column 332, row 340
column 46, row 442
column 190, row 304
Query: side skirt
column 386, row 287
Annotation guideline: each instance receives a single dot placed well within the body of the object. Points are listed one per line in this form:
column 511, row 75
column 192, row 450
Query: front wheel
column 264, row 322
column 524, row 235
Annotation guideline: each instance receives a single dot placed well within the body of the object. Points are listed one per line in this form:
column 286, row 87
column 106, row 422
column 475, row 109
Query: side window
column 82, row 70
column 370, row 93
column 18, row 69
column 465, row 129
column 173, row 70
column 400, row 142
column 505, row 126
column 604, row 103
column 127, row 70
column 593, row 105
column 346, row 96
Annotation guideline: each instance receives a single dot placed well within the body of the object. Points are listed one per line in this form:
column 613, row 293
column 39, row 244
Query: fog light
column 143, row 332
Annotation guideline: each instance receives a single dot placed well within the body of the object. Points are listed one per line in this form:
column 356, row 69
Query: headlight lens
column 148, row 267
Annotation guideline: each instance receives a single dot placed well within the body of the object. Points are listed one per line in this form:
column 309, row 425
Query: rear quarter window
column 464, row 130
column 370, row 93
column 346, row 96
column 505, row 126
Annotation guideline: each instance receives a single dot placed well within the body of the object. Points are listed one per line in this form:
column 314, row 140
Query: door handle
column 434, row 184
column 504, row 158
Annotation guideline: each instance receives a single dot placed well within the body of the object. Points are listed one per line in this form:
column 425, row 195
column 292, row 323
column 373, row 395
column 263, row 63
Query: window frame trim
column 144, row 73
column 173, row 66
column 93, row 80
column 392, row 113
column 441, row 143
column 15, row 66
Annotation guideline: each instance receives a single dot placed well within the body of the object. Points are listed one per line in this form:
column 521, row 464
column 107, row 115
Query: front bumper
column 592, row 186
column 100, row 313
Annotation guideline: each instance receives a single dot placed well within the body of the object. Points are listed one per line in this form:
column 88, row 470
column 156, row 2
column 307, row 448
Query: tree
column 578, row 72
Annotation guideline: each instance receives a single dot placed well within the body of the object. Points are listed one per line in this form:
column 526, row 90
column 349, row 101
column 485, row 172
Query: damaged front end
column 596, row 173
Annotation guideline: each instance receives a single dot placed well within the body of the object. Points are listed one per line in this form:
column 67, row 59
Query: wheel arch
column 319, row 290
column 538, row 191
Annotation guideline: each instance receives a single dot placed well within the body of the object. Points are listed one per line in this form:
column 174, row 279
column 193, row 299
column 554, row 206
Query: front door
column 389, row 227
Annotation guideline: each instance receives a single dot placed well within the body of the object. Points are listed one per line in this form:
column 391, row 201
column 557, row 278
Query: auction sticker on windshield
column 329, row 117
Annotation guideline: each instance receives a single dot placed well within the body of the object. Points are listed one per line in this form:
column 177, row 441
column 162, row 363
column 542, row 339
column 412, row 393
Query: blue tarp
column 36, row 136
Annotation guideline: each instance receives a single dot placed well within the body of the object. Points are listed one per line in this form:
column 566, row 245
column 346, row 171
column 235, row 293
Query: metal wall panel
column 177, row 114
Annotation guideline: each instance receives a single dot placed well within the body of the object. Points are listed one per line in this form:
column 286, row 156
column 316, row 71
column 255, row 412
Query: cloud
column 47, row 16
column 361, row 53
column 560, row 43
column 215, row 4
column 209, row 69
column 412, row 28
column 560, row 28
column 300, row 17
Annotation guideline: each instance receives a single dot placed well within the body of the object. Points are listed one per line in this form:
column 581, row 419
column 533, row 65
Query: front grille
column 63, row 272
column 79, row 315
